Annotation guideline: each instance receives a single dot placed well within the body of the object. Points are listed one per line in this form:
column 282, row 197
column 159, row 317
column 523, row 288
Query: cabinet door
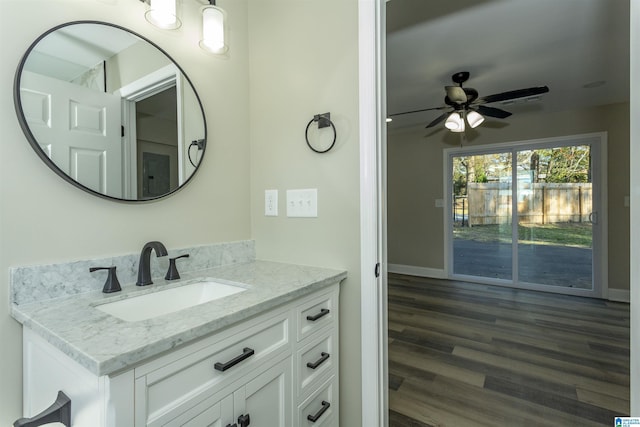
column 267, row 398
column 206, row 414
column 210, row 417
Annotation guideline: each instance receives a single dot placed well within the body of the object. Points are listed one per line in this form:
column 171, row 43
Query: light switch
column 439, row 203
column 270, row 202
column 627, row 201
column 302, row 203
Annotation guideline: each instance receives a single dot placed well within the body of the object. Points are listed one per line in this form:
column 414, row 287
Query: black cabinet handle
column 244, row 420
column 234, row 425
column 314, row 418
column 246, row 353
column 323, row 312
column 318, row 362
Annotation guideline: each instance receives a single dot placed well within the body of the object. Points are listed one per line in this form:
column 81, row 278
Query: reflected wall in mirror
column 110, row 112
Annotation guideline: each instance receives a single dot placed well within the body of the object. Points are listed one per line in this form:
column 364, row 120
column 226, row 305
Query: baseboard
column 412, row 270
column 619, row 295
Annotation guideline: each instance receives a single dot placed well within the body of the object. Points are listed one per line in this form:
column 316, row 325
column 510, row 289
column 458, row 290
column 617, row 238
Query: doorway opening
column 157, row 143
column 153, row 135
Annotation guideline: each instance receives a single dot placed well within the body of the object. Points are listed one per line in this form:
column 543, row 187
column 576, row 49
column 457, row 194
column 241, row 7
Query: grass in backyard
column 566, row 234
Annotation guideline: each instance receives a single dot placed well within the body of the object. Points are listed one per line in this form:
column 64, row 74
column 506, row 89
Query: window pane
column 482, row 244
column 554, row 210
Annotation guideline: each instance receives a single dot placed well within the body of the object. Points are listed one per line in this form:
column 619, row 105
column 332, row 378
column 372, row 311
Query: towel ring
column 324, row 120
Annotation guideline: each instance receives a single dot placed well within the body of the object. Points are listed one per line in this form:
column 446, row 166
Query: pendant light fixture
column 163, row 14
column 213, row 29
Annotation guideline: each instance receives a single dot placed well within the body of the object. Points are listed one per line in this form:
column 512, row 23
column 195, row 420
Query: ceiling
column 506, row 45
column 71, row 51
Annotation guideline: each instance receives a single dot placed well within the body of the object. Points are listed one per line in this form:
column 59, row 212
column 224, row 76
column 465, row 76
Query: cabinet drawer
column 315, row 314
column 321, row 408
column 315, row 360
column 180, row 383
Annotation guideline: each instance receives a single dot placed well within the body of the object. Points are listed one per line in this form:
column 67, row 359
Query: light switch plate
column 270, row 202
column 302, row 203
column 439, row 203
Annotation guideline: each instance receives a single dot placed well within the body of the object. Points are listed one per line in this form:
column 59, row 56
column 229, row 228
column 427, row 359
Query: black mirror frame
column 36, row 147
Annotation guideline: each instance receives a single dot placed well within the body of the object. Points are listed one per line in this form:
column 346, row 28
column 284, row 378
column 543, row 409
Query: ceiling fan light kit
column 455, row 123
column 474, row 119
column 465, row 104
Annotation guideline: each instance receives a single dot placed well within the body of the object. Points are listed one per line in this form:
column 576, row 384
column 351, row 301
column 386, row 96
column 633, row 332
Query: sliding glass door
column 555, row 214
column 482, row 241
column 526, row 215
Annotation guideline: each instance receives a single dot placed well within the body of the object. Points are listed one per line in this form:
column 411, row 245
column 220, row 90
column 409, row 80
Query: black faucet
column 144, row 268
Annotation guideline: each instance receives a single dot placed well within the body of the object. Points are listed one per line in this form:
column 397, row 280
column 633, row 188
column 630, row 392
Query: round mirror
column 110, row 112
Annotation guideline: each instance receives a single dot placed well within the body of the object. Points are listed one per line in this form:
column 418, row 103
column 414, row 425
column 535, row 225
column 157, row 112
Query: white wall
column 44, row 219
column 304, row 61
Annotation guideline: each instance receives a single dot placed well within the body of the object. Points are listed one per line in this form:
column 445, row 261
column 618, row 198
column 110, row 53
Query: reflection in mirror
column 110, row 112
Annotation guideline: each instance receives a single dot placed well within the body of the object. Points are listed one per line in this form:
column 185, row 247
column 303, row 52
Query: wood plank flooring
column 468, row 355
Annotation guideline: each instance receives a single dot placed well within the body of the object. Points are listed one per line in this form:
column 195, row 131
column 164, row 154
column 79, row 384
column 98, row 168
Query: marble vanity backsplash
column 42, row 282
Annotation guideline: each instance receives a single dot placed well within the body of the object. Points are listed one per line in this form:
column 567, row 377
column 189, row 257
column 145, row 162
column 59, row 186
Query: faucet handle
column 111, row 284
column 172, row 272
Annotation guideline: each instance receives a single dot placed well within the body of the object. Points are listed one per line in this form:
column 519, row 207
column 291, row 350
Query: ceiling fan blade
column 513, row 94
column 456, row 94
column 492, row 112
column 418, row 111
column 437, row 120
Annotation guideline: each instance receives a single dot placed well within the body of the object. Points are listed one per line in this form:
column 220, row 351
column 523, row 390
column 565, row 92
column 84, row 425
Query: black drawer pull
column 234, row 425
column 314, row 418
column 246, row 353
column 323, row 312
column 318, row 362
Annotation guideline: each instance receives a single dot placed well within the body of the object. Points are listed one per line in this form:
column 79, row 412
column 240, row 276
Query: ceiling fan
column 464, row 104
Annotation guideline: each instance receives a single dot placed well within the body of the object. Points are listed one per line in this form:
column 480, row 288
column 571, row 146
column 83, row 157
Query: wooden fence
column 538, row 203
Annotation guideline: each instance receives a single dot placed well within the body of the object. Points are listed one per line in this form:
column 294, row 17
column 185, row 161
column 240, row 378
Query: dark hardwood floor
column 469, row 355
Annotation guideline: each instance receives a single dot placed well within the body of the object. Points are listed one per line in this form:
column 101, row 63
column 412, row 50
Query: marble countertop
column 105, row 344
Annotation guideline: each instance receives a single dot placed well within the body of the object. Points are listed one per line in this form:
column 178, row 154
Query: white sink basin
column 168, row 301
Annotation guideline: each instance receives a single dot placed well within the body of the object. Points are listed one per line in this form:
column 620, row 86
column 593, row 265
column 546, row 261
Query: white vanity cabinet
column 278, row 368
column 264, row 399
column 316, row 378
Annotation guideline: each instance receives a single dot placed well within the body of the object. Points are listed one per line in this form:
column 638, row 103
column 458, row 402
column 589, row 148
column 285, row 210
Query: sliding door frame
column 598, row 142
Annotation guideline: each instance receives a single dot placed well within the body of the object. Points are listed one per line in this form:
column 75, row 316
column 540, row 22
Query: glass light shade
column 163, row 14
column 474, row 119
column 213, row 31
column 454, row 122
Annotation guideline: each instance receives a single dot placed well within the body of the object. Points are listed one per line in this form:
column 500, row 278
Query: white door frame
column 373, row 288
column 598, row 142
column 634, row 20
